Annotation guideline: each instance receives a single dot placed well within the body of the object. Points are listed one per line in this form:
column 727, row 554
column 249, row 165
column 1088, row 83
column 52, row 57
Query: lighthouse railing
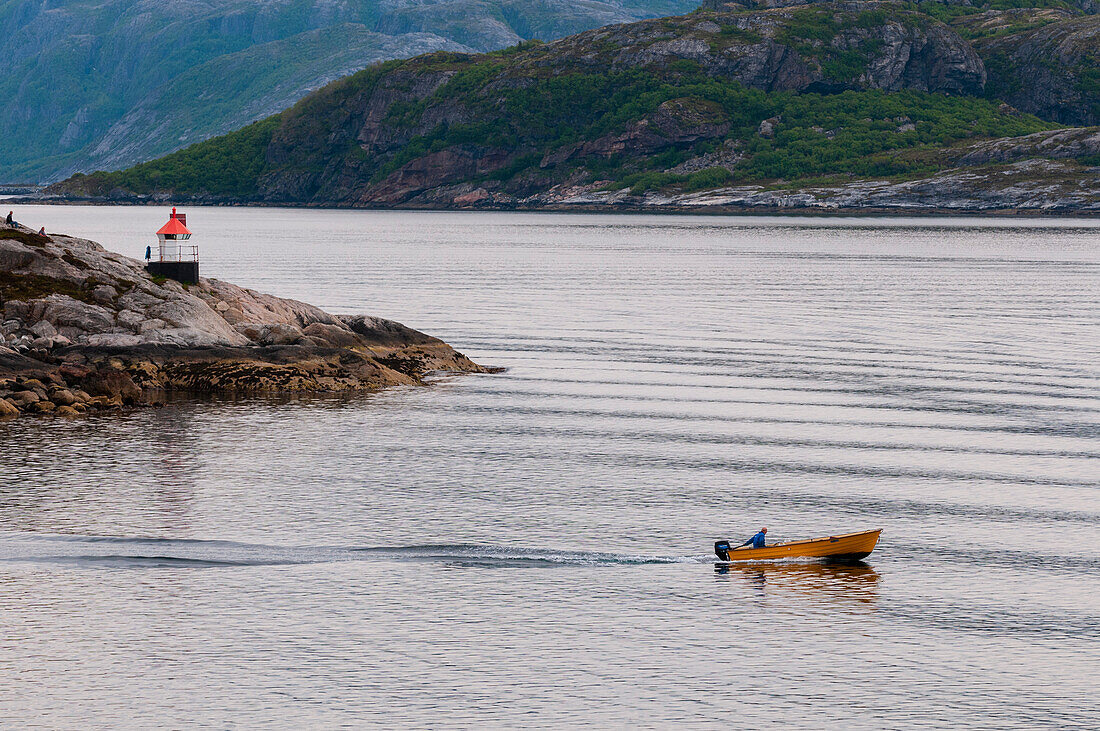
column 171, row 251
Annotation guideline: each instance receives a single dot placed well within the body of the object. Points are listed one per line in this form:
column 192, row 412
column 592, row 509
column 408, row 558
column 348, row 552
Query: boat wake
column 123, row 552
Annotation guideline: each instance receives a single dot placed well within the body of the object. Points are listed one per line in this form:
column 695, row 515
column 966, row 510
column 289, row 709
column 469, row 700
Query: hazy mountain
column 100, row 84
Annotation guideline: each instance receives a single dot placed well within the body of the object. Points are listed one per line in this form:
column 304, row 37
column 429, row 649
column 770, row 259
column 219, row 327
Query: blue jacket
column 757, row 541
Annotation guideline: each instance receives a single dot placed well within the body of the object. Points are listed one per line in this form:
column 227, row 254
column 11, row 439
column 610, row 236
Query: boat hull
column 846, row 547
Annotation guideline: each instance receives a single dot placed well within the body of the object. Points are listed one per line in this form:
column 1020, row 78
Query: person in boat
column 757, row 541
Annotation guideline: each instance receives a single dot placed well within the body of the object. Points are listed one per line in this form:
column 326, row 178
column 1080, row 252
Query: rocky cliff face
column 1044, row 60
column 789, row 49
column 1052, row 71
column 93, row 323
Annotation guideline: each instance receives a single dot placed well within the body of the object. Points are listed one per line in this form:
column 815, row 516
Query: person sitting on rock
column 9, row 220
column 42, row 231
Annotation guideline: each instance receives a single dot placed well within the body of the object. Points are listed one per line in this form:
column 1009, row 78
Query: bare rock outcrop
column 1052, row 71
column 82, row 327
column 1062, row 144
column 896, row 49
column 1027, row 185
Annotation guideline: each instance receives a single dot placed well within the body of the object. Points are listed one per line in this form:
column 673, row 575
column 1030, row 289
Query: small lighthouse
column 177, row 258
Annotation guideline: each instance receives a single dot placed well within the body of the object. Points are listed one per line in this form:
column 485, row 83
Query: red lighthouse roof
column 174, row 226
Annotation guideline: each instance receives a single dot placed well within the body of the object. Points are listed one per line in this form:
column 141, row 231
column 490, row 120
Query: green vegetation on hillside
column 946, row 12
column 225, row 166
column 854, row 135
column 1088, row 80
column 811, row 30
column 983, row 21
column 855, row 131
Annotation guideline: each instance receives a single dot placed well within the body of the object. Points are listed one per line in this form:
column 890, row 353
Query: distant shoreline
column 623, row 209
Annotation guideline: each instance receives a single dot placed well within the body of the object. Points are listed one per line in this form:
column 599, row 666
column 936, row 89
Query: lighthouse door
column 169, row 248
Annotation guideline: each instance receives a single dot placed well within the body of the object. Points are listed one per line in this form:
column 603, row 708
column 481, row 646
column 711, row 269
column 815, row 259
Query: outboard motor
column 722, row 550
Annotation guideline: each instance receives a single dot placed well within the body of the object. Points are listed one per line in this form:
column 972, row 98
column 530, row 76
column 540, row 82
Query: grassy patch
column 740, row 35
column 808, row 24
column 518, row 48
column 946, row 12
column 843, row 65
column 23, row 237
column 26, row 287
column 1088, row 80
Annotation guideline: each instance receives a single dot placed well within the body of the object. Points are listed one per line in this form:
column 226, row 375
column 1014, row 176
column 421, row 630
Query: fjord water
column 532, row 548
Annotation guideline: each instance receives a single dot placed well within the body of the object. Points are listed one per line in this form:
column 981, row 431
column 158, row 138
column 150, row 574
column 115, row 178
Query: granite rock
column 93, row 331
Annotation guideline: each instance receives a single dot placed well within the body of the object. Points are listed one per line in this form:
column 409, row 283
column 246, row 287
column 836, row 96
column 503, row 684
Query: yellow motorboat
column 845, row 547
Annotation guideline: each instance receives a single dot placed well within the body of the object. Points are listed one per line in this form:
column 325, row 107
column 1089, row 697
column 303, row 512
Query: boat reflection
column 853, row 581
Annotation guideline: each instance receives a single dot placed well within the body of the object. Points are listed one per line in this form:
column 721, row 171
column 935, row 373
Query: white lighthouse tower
column 178, row 258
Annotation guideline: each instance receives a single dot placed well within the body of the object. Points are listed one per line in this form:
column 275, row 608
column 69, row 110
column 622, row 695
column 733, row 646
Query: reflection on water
column 172, row 444
column 818, row 580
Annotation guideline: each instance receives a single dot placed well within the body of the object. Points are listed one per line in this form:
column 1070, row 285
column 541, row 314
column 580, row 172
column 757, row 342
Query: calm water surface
column 531, row 548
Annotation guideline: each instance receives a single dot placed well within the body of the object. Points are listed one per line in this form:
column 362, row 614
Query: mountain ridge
column 829, row 96
column 78, row 74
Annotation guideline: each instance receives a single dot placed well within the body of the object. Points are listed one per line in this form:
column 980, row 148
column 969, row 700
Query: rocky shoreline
column 1026, row 187
column 863, row 199
column 83, row 328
